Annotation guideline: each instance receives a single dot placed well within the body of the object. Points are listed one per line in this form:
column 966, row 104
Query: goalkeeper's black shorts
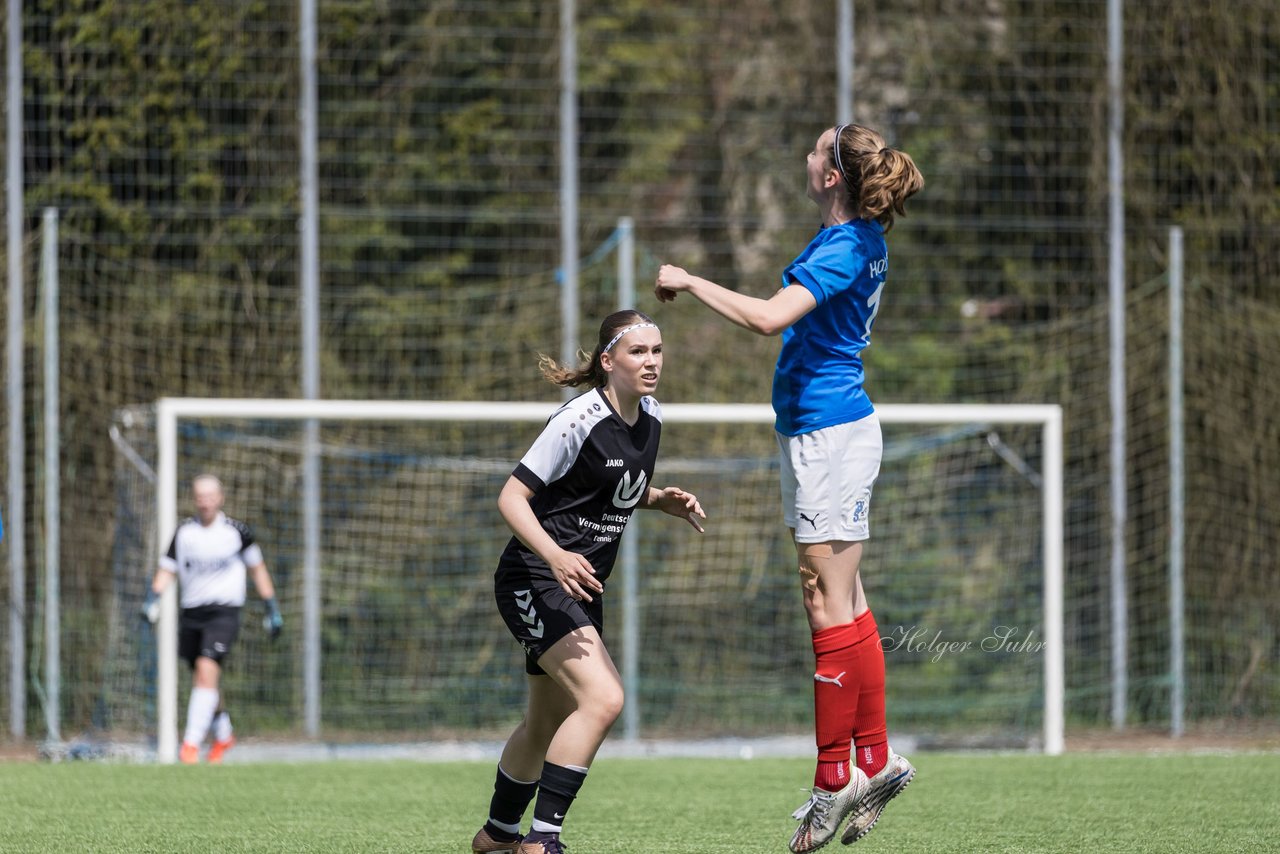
column 207, row 632
column 539, row 613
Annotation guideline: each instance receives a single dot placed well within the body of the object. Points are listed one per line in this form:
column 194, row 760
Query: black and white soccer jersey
column 211, row 560
column 588, row 470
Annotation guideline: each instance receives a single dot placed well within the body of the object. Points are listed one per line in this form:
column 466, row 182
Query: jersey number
column 873, row 303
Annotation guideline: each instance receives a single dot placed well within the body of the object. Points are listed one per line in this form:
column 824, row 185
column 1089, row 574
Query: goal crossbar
column 169, row 411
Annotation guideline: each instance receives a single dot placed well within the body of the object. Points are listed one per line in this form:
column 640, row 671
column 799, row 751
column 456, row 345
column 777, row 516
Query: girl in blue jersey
column 567, row 503
column 830, row 444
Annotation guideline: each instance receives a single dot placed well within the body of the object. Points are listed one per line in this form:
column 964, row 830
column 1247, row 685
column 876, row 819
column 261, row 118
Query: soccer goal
column 384, row 572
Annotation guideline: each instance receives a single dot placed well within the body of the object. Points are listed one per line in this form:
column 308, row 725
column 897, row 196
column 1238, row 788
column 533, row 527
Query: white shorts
column 827, row 477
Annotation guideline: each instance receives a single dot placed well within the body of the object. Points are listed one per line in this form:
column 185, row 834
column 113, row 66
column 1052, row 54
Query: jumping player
column 209, row 554
column 567, row 503
column 830, row 444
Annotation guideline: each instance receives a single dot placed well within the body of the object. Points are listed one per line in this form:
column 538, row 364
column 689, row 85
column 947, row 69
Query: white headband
column 624, row 331
column 839, row 165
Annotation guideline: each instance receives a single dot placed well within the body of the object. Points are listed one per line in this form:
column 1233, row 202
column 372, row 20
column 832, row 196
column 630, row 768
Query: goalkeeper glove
column 151, row 607
column 272, row 622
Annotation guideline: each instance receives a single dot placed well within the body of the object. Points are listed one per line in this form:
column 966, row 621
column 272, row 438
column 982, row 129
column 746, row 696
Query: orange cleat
column 219, row 748
column 190, row 754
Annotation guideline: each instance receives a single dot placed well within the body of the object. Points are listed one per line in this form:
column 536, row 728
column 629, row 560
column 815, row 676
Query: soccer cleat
column 549, row 845
column 486, row 844
column 189, row 754
column 887, row 782
column 219, row 748
column 820, row 816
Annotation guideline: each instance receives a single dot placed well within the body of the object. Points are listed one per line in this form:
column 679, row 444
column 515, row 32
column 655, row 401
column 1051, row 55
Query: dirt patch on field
column 18, row 752
column 1222, row 736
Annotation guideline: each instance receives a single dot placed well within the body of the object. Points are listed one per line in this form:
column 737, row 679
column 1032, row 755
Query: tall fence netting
column 166, row 134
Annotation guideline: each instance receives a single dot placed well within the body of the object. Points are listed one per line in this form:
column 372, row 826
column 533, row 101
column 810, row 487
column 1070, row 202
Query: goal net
column 384, row 573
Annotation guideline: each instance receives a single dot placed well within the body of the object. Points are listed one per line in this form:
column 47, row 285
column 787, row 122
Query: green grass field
column 959, row 802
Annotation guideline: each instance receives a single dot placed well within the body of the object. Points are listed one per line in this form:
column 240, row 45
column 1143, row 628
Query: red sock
column 835, row 702
column 873, row 757
column 832, row 776
column 869, row 729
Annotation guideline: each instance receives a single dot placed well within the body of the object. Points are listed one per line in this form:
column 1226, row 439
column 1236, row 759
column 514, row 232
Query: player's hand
column 671, row 280
column 151, row 607
column 576, row 575
column 272, row 621
column 674, row 501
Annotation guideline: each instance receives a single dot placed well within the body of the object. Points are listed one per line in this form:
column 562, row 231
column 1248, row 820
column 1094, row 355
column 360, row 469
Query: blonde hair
column 880, row 179
column 208, row 478
column 591, row 372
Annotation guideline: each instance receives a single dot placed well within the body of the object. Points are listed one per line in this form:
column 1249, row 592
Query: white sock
column 509, row 828
column 222, row 727
column 200, row 709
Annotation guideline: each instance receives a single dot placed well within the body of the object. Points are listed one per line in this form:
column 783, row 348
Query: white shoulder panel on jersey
column 652, row 407
column 556, row 448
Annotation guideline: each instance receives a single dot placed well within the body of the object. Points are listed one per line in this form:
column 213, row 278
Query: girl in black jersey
column 567, row 502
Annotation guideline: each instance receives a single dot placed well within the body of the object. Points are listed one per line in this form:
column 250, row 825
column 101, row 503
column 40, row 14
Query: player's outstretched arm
column 674, row 501
column 762, row 316
column 574, row 572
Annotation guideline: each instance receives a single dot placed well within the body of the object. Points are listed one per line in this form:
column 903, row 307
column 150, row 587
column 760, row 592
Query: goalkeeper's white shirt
column 211, row 561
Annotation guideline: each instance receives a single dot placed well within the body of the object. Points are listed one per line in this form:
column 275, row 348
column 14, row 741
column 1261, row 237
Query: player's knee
column 540, row 726
column 605, row 703
column 536, row 728
column 206, row 673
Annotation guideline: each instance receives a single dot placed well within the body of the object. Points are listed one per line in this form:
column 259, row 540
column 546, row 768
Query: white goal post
column 171, row 411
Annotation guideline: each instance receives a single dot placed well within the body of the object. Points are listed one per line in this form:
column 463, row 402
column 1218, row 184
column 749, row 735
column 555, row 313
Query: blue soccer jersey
column 818, row 381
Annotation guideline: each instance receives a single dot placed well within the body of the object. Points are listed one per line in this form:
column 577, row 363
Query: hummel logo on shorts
column 528, row 613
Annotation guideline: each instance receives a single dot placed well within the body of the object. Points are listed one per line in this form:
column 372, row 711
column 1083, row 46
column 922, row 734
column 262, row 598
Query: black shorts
column 207, row 632
column 539, row 613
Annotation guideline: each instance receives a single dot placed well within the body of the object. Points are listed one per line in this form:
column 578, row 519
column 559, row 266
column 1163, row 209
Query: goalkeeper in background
column 210, row 554
column 830, row 449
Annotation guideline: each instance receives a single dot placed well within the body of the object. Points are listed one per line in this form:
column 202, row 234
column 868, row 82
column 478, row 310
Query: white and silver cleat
column 896, row 774
column 821, row 816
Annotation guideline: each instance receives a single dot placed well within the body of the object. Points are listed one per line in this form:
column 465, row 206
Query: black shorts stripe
column 539, row 613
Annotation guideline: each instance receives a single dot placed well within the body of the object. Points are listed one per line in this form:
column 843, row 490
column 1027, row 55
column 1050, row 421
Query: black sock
column 557, row 788
column 510, row 800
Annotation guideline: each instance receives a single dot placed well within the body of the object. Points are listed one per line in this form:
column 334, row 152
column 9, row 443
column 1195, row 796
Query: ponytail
column 880, row 179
